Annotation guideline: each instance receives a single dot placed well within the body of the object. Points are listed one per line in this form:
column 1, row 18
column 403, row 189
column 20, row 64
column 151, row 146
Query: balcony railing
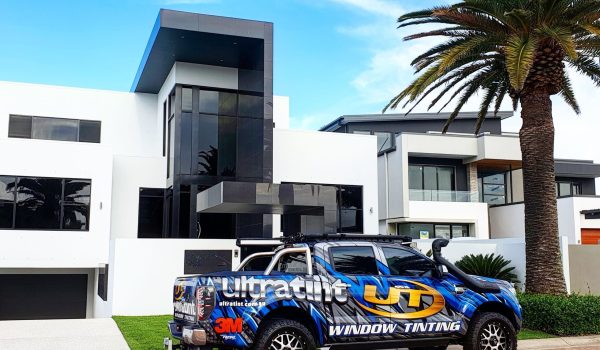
column 443, row 196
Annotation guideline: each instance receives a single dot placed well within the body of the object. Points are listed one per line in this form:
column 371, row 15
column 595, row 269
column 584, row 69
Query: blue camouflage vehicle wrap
column 230, row 306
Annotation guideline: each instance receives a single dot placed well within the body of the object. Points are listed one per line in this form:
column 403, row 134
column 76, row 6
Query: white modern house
column 107, row 196
column 455, row 185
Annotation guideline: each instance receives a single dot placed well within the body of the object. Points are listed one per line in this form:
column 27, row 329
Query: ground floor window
column 417, row 230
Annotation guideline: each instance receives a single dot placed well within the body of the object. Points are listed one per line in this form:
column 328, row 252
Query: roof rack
column 307, row 238
column 303, row 238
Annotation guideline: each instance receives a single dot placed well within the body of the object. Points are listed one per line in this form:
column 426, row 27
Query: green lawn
column 148, row 332
column 144, row 332
column 529, row 334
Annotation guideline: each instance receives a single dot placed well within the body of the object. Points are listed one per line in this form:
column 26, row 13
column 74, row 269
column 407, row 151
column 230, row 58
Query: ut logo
column 414, row 301
column 228, row 325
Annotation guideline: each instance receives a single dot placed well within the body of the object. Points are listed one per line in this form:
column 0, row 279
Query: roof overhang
column 202, row 39
column 267, row 198
column 576, row 168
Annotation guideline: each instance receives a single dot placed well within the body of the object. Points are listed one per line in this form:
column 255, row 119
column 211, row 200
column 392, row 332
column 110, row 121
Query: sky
column 331, row 57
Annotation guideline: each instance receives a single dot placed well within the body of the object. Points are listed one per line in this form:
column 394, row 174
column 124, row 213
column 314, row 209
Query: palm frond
column 520, row 53
column 568, row 94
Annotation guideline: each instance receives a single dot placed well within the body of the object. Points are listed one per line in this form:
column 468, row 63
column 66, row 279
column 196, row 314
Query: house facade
column 455, row 185
column 107, row 196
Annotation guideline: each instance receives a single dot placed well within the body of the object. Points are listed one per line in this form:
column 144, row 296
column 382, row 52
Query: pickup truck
column 345, row 291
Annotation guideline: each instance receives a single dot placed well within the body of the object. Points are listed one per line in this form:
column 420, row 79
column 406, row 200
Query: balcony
column 443, row 196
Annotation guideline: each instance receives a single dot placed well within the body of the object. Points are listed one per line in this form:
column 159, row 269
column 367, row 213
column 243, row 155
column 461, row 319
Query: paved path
column 88, row 334
column 573, row 343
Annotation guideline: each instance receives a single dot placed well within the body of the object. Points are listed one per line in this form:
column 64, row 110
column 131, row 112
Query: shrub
column 561, row 315
column 488, row 265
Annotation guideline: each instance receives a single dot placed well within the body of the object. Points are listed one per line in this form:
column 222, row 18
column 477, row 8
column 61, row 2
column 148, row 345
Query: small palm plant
column 489, row 265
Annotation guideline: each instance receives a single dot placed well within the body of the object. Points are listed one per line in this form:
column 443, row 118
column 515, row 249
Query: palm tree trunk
column 544, row 273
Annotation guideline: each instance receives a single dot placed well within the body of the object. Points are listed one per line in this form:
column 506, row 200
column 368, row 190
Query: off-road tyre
column 281, row 334
column 490, row 331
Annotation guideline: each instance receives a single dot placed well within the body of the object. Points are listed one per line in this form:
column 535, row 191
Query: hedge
column 561, row 315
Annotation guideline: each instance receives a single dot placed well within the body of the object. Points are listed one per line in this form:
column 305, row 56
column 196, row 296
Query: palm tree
column 519, row 48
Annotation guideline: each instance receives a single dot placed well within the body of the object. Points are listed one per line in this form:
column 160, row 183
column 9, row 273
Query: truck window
column 294, row 263
column 403, row 262
column 354, row 260
column 259, row 263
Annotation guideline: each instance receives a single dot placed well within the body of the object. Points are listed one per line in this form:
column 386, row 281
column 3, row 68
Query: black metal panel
column 103, row 282
column 42, row 296
column 576, row 168
column 206, row 261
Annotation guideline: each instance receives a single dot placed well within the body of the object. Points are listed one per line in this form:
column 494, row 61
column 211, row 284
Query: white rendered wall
column 509, row 220
column 329, row 158
column 281, row 112
column 144, row 271
column 475, row 214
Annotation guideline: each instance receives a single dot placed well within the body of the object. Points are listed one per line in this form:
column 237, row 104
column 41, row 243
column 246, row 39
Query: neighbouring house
column 107, row 196
column 434, row 185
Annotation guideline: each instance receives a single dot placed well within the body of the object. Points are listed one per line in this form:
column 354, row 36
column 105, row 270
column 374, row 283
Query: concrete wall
column 585, row 278
column 329, row 158
column 142, row 283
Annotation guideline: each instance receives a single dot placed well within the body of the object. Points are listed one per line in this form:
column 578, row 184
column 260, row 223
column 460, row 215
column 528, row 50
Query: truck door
column 421, row 304
column 356, row 265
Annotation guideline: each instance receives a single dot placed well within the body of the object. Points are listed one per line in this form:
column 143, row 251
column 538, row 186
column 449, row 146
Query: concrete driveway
column 93, row 334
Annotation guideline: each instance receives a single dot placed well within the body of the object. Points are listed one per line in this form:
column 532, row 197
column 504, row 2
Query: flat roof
column 400, row 117
column 203, row 39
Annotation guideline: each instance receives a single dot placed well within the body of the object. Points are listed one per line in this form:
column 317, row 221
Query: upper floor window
column 492, row 188
column 567, row 188
column 59, row 129
column 41, row 203
column 419, row 230
column 431, row 183
column 358, row 260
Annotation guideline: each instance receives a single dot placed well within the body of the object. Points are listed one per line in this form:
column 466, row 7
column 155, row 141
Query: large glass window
column 431, row 183
column 567, row 188
column 403, row 262
column 492, row 188
column 58, row 129
column 44, row 203
column 217, row 143
column 7, row 201
column 350, row 208
column 418, row 230
column 150, row 215
column 354, row 260
column 250, row 106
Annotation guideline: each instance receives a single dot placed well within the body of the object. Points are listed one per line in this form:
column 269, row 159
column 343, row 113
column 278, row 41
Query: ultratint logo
column 414, row 300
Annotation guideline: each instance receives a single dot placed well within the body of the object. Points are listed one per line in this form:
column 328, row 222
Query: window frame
column 33, row 118
column 382, row 247
column 435, row 224
column 62, row 204
column 376, row 255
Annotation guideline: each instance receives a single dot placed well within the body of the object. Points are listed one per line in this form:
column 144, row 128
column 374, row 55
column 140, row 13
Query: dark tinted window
column 19, row 126
column 227, row 146
column 208, row 153
column 55, row 129
column 58, row 129
column 209, row 102
column 258, row 264
column 403, row 262
column 350, row 209
column 38, row 203
column 89, row 131
column 186, row 100
column 292, row 263
column 354, row 260
column 7, row 199
column 250, row 106
column 150, row 215
column 227, row 103
column 44, row 203
column 351, row 197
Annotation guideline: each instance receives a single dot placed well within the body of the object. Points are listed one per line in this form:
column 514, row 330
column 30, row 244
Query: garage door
column 47, row 296
column 590, row 236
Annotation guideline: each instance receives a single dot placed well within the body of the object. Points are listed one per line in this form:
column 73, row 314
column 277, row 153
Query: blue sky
column 326, row 51
column 332, row 57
